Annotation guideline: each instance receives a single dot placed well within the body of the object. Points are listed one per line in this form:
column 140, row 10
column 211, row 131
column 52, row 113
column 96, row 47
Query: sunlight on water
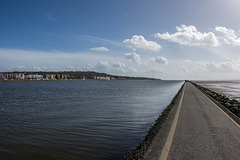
column 78, row 119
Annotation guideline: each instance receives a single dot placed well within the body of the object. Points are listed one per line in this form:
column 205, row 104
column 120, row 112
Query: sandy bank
column 230, row 89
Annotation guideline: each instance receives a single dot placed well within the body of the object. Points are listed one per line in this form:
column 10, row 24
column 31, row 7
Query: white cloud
column 102, row 65
column 55, row 61
column 99, row 49
column 156, row 71
column 190, row 36
column 118, row 65
column 133, row 57
column 139, row 42
column 70, row 68
column 228, row 35
column 223, row 67
column 210, row 67
column 160, row 60
column 88, row 67
column 20, row 67
column 133, row 70
column 184, row 69
column 98, row 40
column 188, row 61
column 106, row 66
column 22, row 60
column 36, row 68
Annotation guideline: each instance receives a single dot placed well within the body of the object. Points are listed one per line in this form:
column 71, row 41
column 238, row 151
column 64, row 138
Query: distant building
column 21, row 76
column 102, row 78
column 64, row 77
column 37, row 77
column 8, row 76
column 47, row 76
column 2, row 76
column 53, row 77
column 14, row 75
column 58, row 76
column 69, row 76
column 34, row 77
column 29, row 77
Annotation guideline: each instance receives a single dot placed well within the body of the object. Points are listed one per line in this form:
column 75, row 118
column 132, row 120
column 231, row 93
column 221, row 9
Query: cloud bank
column 159, row 60
column 205, row 63
column 139, row 42
column 99, row 49
column 133, row 57
column 190, row 36
column 228, row 35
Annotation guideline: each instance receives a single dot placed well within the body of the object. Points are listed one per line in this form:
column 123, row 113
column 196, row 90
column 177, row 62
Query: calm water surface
column 74, row 120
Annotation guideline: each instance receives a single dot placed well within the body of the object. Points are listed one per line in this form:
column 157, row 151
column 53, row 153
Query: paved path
column 196, row 129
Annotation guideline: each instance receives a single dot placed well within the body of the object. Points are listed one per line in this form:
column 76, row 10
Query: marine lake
column 74, row 120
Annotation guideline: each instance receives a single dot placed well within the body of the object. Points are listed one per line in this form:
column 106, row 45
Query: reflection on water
column 68, row 120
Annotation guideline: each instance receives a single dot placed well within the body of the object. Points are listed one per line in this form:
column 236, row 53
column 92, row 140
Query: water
column 74, row 120
column 230, row 89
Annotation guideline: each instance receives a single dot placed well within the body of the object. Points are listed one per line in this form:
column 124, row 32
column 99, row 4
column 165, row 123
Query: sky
column 166, row 39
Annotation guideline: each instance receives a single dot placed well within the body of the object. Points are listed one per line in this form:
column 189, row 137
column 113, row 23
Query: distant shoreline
column 78, row 80
column 64, row 75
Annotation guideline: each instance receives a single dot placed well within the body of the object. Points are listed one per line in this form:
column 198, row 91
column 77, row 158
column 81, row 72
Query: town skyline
column 64, row 75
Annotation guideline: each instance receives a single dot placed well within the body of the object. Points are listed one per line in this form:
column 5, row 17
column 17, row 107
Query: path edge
column 223, row 108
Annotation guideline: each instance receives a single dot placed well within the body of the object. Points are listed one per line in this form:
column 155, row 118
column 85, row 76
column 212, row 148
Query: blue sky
column 168, row 39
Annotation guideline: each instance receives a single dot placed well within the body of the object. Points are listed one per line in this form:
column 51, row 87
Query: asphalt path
column 196, row 129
